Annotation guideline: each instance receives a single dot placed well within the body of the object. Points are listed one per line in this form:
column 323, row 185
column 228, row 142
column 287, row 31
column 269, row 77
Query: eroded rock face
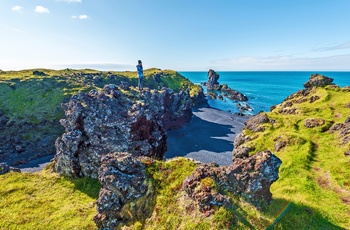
column 127, row 194
column 99, row 123
column 318, row 80
column 249, row 178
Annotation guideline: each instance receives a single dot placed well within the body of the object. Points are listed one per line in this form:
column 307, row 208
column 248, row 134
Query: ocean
column 263, row 89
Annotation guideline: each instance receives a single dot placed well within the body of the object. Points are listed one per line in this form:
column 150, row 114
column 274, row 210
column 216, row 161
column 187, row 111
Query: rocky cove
column 119, row 136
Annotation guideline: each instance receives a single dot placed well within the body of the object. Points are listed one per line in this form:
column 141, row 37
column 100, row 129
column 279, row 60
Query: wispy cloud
column 345, row 45
column 17, row 8
column 82, row 17
column 287, row 62
column 41, row 10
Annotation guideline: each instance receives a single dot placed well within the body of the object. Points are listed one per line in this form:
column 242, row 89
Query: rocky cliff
column 103, row 122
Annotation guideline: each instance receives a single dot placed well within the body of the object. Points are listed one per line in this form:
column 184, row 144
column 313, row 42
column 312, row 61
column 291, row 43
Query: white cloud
column 41, row 10
column 345, row 45
column 287, row 62
column 82, row 17
column 17, row 8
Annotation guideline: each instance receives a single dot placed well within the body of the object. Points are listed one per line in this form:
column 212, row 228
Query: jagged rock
column 233, row 94
column 254, row 123
column 4, row 168
column 126, row 195
column 213, row 78
column 249, row 178
column 343, row 130
column 313, row 122
column 173, row 108
column 102, row 122
column 318, row 80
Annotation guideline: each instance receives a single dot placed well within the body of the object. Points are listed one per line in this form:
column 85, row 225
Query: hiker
column 140, row 74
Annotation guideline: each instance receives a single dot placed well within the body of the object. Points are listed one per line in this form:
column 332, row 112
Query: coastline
column 208, row 137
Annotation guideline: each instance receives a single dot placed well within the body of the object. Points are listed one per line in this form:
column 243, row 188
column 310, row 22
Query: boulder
column 313, row 122
column 249, row 178
column 318, row 80
column 255, row 123
column 126, row 195
column 4, row 168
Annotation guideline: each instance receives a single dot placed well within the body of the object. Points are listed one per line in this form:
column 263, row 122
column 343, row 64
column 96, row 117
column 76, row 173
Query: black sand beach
column 207, row 138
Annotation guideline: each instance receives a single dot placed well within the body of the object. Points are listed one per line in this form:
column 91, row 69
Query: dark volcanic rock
column 99, row 123
column 213, row 78
column 39, row 73
column 254, row 123
column 250, row 178
column 318, row 80
column 127, row 194
column 124, row 85
column 4, row 168
column 343, row 130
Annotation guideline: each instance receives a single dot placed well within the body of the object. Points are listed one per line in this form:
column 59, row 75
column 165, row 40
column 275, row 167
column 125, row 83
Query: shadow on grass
column 89, row 186
column 289, row 215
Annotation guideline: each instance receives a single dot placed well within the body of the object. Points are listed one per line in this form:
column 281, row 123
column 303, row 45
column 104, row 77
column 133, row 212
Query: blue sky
column 175, row 34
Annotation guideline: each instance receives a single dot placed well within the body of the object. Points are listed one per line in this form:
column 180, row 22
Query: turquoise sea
column 263, row 89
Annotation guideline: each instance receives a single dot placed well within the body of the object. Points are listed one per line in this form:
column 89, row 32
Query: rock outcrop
column 249, row 178
column 213, row 78
column 4, row 168
column 318, row 80
column 127, row 195
column 99, row 123
column 225, row 91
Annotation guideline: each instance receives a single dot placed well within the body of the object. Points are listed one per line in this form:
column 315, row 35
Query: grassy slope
column 45, row 200
column 315, row 173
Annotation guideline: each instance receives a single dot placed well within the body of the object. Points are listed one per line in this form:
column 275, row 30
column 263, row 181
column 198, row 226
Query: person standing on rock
column 140, row 74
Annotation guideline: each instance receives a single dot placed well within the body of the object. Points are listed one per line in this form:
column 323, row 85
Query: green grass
column 314, row 174
column 46, row 200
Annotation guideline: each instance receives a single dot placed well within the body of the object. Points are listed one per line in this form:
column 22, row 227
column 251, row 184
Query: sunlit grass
column 46, row 200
